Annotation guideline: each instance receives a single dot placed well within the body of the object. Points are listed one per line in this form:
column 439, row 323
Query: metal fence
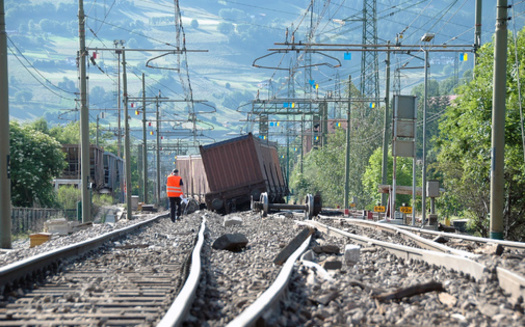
column 24, row 220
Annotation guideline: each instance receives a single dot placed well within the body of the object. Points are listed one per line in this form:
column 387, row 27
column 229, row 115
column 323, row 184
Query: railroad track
column 505, row 258
column 364, row 293
column 225, row 288
column 127, row 277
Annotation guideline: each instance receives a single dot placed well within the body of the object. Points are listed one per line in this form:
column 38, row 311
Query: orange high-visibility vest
column 173, row 187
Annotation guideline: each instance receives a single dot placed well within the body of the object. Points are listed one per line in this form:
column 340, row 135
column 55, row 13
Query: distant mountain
column 43, row 45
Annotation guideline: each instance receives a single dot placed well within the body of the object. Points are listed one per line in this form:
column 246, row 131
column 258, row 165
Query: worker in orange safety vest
column 174, row 191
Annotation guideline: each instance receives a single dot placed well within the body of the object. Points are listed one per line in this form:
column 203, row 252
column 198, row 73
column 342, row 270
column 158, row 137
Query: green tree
column 464, row 146
column 373, row 177
column 36, row 159
column 432, row 86
column 68, row 134
column 40, row 125
column 324, row 168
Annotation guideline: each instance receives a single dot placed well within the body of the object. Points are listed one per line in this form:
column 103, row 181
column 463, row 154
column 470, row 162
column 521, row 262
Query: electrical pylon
column 369, row 61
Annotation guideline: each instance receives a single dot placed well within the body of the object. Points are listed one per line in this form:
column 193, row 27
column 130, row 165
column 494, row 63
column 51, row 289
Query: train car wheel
column 265, row 204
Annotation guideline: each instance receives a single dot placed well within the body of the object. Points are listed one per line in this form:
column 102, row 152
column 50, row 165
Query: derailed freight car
column 191, row 170
column 239, row 169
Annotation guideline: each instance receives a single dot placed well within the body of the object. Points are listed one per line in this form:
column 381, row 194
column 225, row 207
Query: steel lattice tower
column 369, row 61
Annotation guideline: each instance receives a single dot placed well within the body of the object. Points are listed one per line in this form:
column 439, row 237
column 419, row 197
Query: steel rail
column 178, row 311
column 21, row 270
column 513, row 284
column 270, row 298
column 509, row 244
column 449, row 261
column 423, row 242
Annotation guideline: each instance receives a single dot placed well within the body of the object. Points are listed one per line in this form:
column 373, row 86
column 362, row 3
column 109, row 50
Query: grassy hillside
column 43, row 43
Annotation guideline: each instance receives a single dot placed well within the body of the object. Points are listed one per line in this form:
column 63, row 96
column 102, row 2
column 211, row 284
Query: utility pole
column 5, row 178
column 98, row 119
column 426, row 38
column 497, row 181
column 386, row 124
column 127, row 145
column 424, row 174
column 145, row 147
column 158, row 149
column 301, row 165
column 347, row 160
column 84, row 119
column 477, row 31
column 119, row 136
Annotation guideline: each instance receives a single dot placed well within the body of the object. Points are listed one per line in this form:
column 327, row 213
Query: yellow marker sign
column 406, row 209
column 352, row 205
column 379, row 208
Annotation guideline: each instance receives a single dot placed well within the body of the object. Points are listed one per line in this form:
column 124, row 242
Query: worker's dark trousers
column 175, row 205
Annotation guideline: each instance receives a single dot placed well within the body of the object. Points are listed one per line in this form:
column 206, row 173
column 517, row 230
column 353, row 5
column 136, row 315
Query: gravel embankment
column 21, row 250
column 511, row 259
column 233, row 280
column 347, row 297
column 130, row 273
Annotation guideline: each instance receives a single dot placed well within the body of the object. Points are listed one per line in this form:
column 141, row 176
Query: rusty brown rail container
column 191, row 170
column 240, row 168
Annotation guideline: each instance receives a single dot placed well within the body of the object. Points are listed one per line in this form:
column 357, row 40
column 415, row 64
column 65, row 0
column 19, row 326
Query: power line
column 105, row 17
column 37, row 71
column 136, row 33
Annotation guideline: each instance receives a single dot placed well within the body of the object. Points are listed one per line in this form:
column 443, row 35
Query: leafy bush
column 68, row 196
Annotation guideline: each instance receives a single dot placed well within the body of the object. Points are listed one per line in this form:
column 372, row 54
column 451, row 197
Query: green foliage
column 36, row 159
column 100, row 200
column 373, row 177
column 40, row 125
column 68, row 196
column 68, row 134
column 432, row 86
column 465, row 147
column 324, row 168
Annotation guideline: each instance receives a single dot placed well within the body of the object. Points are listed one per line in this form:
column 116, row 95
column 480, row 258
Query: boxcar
column 96, row 171
column 240, row 168
column 193, row 176
column 113, row 175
